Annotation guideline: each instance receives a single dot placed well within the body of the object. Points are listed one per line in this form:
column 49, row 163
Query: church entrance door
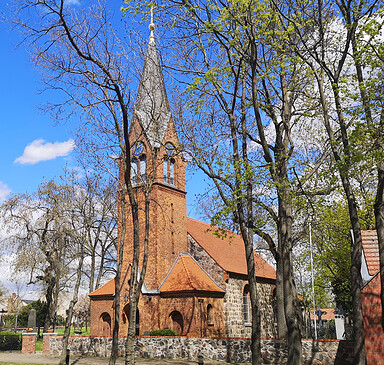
column 177, row 322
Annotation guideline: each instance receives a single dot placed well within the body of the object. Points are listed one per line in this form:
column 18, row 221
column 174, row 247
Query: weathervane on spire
column 152, row 25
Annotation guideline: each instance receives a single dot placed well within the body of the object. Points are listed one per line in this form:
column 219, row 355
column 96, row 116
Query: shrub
column 10, row 341
column 163, row 332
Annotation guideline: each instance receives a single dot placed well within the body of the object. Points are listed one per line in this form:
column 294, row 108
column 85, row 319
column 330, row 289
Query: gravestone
column 32, row 318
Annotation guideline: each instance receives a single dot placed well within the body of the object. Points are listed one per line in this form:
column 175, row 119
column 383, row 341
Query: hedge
column 10, row 341
column 163, row 332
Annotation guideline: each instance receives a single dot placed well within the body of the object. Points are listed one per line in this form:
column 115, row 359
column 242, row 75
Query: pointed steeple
column 152, row 107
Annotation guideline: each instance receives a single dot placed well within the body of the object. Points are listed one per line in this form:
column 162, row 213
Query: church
column 196, row 281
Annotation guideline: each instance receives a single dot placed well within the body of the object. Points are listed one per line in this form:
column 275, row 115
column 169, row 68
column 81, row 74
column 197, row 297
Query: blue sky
column 32, row 147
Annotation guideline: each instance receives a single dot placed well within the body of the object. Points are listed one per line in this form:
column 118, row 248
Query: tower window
column 139, row 163
column 139, row 170
column 169, row 171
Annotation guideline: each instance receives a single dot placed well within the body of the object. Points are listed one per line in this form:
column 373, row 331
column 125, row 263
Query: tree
column 95, row 205
column 39, row 233
column 325, row 42
column 81, row 55
column 81, row 311
column 242, row 102
column 41, row 312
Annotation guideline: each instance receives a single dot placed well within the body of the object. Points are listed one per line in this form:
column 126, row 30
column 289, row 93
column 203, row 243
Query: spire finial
column 152, row 25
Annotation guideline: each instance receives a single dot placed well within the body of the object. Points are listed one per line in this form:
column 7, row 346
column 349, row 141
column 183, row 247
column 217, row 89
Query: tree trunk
column 282, row 330
column 255, row 338
column 291, row 304
column 116, row 301
column 68, row 321
column 49, row 298
column 131, row 335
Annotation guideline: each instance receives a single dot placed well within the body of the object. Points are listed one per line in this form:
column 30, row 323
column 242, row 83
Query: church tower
column 155, row 147
column 195, row 281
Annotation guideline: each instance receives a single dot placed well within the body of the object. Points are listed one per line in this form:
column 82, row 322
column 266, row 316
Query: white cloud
column 72, row 2
column 40, row 150
column 4, row 191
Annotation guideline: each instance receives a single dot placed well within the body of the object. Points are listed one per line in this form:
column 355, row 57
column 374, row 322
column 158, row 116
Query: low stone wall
column 233, row 350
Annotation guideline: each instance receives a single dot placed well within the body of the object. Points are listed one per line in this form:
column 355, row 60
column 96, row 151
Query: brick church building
column 196, row 282
column 370, row 297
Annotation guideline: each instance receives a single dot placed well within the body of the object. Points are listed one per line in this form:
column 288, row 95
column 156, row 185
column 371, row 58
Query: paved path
column 39, row 358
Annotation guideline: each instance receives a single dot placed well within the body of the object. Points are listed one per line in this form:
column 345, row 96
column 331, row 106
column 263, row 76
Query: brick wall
column 28, row 343
column 374, row 336
column 235, row 350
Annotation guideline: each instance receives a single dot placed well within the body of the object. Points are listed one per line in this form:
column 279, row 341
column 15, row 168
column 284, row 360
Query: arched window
column 246, row 316
column 143, row 168
column 209, row 315
column 139, row 163
column 169, row 170
column 274, row 304
column 139, row 170
column 169, row 164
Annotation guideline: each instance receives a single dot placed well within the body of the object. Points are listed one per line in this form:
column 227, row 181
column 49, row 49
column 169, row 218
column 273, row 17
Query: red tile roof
column 227, row 249
column 371, row 250
column 106, row 289
column 187, row 275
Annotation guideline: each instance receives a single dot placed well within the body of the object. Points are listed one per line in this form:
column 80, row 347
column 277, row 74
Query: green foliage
column 10, row 341
column 41, row 310
column 9, row 320
column 39, row 344
column 163, row 332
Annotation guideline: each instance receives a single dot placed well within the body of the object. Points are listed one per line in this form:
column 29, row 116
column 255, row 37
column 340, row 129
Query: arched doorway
column 126, row 312
column 177, row 322
column 105, row 324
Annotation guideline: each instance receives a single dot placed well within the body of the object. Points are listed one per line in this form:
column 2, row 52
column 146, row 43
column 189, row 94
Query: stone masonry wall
column 233, row 304
column 233, row 299
column 322, row 352
column 206, row 262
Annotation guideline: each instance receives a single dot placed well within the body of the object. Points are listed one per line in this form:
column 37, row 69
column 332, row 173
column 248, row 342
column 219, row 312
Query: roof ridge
column 186, row 270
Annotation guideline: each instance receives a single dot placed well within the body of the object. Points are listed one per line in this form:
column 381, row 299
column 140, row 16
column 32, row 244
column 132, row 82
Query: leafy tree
column 41, row 312
column 40, row 235
column 326, row 42
column 80, row 54
column 238, row 119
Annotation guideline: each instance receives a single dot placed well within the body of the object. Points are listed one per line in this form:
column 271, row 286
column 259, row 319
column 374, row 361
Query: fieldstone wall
column 233, row 350
column 233, row 299
column 207, row 262
column 233, row 309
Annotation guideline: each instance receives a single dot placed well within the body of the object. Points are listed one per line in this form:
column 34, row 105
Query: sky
column 32, row 147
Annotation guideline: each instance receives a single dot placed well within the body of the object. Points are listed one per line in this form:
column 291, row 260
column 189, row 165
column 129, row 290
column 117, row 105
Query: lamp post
column 313, row 282
column 201, row 301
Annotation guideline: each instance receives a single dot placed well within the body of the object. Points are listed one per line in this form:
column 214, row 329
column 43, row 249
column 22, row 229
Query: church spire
column 152, row 107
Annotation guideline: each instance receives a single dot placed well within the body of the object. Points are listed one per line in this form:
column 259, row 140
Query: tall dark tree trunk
column 116, row 300
column 68, row 320
column 291, row 304
column 282, row 330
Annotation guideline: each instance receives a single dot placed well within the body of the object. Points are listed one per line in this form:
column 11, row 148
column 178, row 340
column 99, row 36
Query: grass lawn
column 84, row 332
